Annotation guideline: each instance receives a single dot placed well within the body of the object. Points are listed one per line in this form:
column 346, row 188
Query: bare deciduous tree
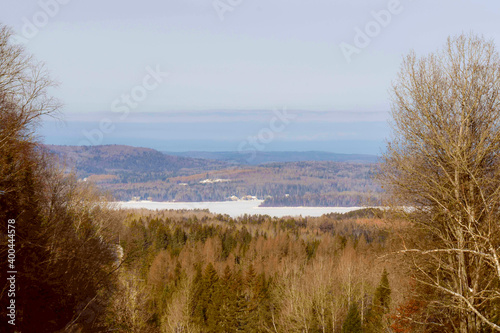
column 443, row 165
column 24, row 85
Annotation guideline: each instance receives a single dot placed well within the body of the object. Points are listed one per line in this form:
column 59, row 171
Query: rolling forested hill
column 129, row 172
column 129, row 164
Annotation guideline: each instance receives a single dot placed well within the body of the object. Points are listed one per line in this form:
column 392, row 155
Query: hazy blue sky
column 233, row 57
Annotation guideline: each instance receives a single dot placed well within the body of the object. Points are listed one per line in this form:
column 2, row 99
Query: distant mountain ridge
column 257, row 158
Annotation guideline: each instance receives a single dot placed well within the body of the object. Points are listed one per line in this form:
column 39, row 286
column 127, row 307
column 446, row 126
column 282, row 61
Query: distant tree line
column 281, row 184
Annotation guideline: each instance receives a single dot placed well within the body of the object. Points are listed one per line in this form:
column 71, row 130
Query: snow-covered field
column 237, row 208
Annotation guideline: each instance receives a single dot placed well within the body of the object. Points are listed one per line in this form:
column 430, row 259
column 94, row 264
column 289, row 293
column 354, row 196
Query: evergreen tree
column 250, row 277
column 228, row 309
column 162, row 237
column 383, row 293
column 240, row 302
column 206, row 299
column 212, row 298
column 260, row 304
column 177, row 273
column 380, row 305
column 253, row 299
column 195, row 300
column 352, row 323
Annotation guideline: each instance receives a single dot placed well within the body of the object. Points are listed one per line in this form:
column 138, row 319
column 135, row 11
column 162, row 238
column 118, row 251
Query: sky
column 179, row 75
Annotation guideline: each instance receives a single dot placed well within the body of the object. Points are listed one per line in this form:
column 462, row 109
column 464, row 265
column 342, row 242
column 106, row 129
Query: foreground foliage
column 444, row 163
column 59, row 233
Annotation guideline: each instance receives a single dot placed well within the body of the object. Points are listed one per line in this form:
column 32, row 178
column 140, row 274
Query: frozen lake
column 237, row 208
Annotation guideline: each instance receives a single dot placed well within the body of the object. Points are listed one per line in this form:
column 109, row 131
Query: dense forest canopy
column 198, row 272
